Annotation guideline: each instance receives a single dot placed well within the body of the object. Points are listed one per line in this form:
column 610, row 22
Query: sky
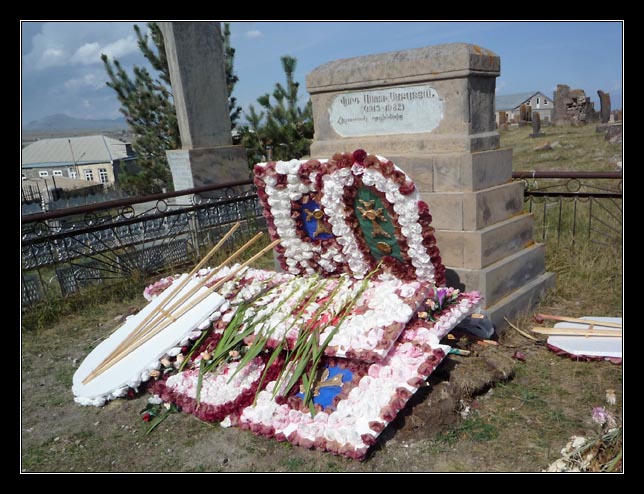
column 62, row 71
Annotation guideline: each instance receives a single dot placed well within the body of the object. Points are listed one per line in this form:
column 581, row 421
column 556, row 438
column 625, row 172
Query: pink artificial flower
column 600, row 415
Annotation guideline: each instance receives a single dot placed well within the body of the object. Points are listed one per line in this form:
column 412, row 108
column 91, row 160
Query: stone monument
column 604, row 111
column 536, row 126
column 524, row 115
column 604, row 101
column 571, row 106
column 431, row 111
column 196, row 60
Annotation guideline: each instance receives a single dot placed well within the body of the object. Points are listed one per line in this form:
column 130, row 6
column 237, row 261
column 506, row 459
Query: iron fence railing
column 570, row 206
column 66, row 250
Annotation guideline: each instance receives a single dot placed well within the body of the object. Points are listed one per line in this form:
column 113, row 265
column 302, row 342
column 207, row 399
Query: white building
column 93, row 158
column 510, row 104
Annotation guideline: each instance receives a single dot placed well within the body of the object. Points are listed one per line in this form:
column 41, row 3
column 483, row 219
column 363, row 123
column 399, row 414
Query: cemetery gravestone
column 604, row 100
column 196, row 61
column 604, row 112
column 524, row 115
column 431, row 111
column 536, row 126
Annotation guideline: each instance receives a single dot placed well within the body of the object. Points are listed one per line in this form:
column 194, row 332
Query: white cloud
column 91, row 80
column 78, row 43
column 254, row 33
column 90, row 53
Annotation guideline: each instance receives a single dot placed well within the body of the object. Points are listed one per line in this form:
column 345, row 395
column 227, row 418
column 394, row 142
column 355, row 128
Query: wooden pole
column 175, row 290
column 190, row 305
column 172, row 293
column 589, row 322
column 578, row 332
column 160, row 316
column 155, row 329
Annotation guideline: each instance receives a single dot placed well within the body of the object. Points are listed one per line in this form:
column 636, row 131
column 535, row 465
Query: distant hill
column 60, row 122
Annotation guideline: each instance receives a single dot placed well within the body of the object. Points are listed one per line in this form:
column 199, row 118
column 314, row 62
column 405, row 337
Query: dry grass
column 582, row 149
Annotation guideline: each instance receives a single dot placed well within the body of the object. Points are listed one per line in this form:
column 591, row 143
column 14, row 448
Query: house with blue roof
column 507, row 107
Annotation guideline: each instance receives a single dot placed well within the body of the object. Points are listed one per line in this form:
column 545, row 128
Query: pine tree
column 281, row 130
column 231, row 77
column 146, row 103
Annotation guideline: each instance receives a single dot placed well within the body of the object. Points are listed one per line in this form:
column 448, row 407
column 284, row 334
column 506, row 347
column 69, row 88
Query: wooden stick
column 520, row 331
column 589, row 322
column 218, row 284
column 200, row 298
column 175, row 290
column 160, row 312
column 201, row 282
column 168, row 297
column 578, row 332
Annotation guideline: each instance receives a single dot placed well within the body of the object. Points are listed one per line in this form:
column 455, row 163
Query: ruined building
column 572, row 107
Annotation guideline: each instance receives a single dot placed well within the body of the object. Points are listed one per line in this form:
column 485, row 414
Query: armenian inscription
column 396, row 110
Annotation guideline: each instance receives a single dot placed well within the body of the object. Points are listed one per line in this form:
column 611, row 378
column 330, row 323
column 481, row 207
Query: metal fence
column 66, row 250
column 575, row 206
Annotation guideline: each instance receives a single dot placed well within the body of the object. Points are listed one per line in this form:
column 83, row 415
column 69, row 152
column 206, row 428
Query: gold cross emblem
column 373, row 215
column 324, row 382
column 318, row 216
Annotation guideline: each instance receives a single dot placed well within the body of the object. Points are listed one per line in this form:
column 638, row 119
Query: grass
column 520, row 424
column 582, row 149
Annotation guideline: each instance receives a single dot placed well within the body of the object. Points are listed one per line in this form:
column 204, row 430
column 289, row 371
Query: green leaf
column 200, row 381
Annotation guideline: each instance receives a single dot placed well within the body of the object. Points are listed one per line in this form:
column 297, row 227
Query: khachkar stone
column 431, row 111
column 196, row 61
column 524, row 115
column 604, row 112
column 604, row 100
column 536, row 126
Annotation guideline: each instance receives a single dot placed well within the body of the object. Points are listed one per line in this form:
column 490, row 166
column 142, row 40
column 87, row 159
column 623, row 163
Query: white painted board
column 127, row 371
column 588, row 345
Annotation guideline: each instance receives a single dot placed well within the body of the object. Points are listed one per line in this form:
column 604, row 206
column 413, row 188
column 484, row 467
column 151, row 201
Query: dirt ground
column 485, row 412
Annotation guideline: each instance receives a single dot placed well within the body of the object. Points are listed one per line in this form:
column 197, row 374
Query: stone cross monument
column 196, row 61
column 431, row 111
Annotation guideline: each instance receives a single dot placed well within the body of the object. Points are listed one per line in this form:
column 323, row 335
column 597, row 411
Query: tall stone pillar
column 431, row 111
column 196, row 60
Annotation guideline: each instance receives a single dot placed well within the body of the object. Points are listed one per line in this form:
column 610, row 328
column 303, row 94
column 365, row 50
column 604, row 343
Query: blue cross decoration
column 329, row 385
column 313, row 219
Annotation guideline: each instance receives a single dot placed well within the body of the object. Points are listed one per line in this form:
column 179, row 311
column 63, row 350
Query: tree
column 146, row 103
column 148, row 107
column 281, row 130
column 231, row 77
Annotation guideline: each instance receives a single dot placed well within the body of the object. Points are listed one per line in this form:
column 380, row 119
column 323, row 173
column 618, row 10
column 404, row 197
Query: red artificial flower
column 359, row 155
column 416, row 382
column 398, row 177
column 259, row 171
column 376, row 426
column 368, row 439
column 387, row 168
column 146, row 417
column 371, row 161
column 407, row 188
